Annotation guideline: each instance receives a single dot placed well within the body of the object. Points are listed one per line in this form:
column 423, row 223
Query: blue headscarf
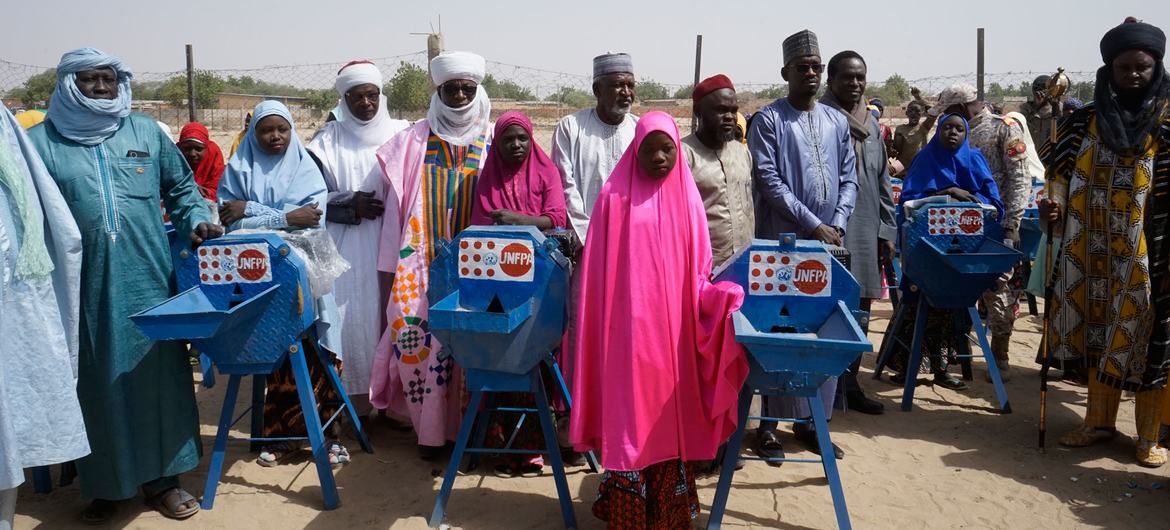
column 937, row 168
column 85, row 120
column 276, row 181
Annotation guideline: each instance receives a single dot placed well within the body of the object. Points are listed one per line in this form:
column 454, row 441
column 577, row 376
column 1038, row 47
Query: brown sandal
column 1149, row 454
column 1085, row 436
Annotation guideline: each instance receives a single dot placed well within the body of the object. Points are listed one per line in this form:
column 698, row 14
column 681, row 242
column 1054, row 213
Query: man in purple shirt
column 805, row 181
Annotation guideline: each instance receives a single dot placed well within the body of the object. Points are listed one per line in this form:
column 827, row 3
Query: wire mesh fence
column 225, row 95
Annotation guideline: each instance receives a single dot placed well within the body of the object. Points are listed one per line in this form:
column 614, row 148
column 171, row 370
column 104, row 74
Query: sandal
column 950, row 383
column 273, row 455
column 1085, row 436
column 338, row 455
column 171, row 504
column 99, row 512
column 1149, row 454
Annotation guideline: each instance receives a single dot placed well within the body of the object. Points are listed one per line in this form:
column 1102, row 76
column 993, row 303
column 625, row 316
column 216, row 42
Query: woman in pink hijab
column 658, row 370
column 519, row 184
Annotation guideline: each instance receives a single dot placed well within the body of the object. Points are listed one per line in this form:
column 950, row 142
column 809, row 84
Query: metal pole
column 979, row 63
column 698, row 67
column 190, row 83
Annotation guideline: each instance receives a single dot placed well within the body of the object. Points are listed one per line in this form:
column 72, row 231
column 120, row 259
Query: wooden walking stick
column 1058, row 84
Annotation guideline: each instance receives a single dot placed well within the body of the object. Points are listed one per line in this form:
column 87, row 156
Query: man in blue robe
column 137, row 396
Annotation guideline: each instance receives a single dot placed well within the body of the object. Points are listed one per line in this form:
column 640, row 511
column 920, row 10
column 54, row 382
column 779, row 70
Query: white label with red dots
column 790, row 274
column 896, row 188
column 1035, row 198
column 506, row 260
column 948, row 221
column 243, row 263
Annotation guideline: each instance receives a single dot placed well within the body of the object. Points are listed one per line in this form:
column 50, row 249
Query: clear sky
column 742, row 39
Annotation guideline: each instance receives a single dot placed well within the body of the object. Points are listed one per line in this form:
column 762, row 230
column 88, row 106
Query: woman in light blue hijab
column 272, row 183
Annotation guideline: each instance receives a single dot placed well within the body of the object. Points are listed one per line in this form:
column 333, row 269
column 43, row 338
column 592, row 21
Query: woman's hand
column 231, row 211
column 307, row 216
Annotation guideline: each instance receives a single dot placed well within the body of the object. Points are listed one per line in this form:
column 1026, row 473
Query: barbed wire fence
column 545, row 94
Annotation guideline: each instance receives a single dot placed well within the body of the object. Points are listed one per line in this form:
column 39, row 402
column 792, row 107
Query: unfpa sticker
column 510, row 260
column 246, row 263
column 789, row 273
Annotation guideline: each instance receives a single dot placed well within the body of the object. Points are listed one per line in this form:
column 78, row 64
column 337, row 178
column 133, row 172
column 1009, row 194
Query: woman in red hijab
column 519, row 184
column 204, row 157
column 658, row 371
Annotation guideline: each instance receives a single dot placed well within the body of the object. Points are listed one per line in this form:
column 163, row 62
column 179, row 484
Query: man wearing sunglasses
column 805, row 178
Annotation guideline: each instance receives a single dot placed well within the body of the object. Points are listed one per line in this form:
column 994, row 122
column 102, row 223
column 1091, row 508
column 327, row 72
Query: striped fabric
column 450, row 173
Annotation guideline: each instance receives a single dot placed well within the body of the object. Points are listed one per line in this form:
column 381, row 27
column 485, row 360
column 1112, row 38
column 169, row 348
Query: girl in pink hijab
column 519, row 184
column 657, row 368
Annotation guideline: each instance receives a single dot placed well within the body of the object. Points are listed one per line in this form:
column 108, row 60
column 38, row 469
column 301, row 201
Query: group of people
column 84, row 247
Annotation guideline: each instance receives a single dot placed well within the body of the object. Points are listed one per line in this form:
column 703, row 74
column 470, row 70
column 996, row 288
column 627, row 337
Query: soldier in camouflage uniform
column 1001, row 140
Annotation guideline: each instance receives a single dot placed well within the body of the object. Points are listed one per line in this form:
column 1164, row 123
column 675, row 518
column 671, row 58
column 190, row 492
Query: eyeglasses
column 805, row 68
column 451, row 89
column 371, row 97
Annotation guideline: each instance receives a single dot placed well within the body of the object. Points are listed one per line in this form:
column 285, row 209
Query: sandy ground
column 953, row 462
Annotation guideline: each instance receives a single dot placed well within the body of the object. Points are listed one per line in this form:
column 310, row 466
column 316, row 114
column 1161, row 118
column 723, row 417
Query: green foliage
column 208, row 86
column 506, row 89
column 648, row 89
column 571, row 97
column 894, row 92
column 248, row 85
column 684, row 92
column 36, row 90
column 409, row 90
column 773, row 92
column 321, row 99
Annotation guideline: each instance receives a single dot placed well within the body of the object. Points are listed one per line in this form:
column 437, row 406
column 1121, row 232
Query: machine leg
column 456, row 456
column 730, row 457
column 357, row 423
column 889, row 338
column 992, row 367
column 221, row 436
column 590, row 456
column 829, row 462
column 915, row 360
column 207, row 370
column 259, row 382
column 963, row 344
column 313, row 423
column 42, row 479
column 554, row 452
column 480, row 433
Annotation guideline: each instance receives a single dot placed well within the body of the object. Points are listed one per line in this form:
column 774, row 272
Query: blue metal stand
column 915, row 359
column 316, row 431
column 485, row 384
column 735, row 445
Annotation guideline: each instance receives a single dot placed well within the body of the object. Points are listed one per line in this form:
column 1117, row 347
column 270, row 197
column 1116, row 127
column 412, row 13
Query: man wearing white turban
column 357, row 198
column 431, row 170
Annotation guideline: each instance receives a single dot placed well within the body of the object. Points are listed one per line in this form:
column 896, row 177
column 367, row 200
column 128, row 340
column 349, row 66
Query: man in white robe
column 357, row 196
column 40, row 272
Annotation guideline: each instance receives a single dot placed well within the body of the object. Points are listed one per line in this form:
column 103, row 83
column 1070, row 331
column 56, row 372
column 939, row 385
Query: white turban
column 457, row 65
column 357, row 73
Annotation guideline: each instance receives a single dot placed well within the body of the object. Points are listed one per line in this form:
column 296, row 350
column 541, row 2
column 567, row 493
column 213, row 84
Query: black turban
column 1133, row 36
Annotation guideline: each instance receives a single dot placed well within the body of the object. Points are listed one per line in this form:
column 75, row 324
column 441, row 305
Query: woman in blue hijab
column 272, row 183
column 947, row 166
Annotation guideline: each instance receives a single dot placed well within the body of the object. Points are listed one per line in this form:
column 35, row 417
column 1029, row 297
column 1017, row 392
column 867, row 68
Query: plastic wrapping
column 316, row 249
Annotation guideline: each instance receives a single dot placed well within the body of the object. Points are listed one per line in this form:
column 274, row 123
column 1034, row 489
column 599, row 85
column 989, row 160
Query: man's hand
column 307, row 216
column 365, row 206
column 1049, row 211
column 506, row 217
column 1013, row 236
column 203, row 232
column 231, row 211
column 827, row 234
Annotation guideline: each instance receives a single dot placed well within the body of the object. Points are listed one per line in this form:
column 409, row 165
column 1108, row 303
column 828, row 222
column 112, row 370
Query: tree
column 208, row 85
column 409, row 90
column 773, row 92
column 36, row 90
column 321, row 99
column 995, row 92
column 571, row 97
column 505, row 89
column 649, row 89
column 684, row 92
column 895, row 90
